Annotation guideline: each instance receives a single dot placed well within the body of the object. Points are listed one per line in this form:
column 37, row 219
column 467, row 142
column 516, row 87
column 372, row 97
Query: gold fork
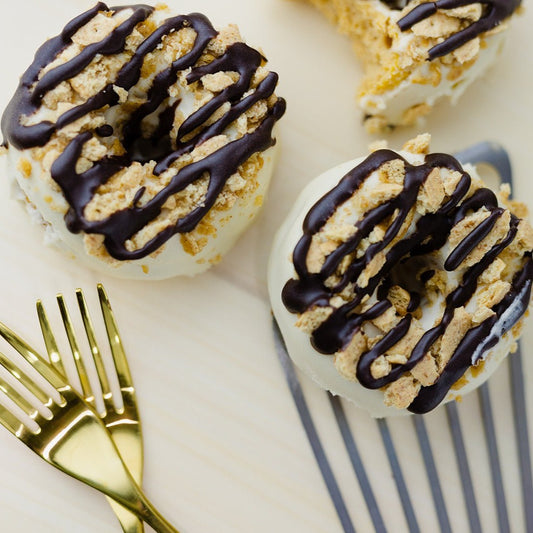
column 122, row 423
column 71, row 436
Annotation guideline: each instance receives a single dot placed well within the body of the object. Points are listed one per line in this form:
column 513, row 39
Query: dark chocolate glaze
column 396, row 4
column 430, row 233
column 79, row 189
column 426, row 276
column 105, row 131
column 495, row 12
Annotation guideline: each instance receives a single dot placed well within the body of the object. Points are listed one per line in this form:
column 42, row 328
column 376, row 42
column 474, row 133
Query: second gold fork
column 123, row 423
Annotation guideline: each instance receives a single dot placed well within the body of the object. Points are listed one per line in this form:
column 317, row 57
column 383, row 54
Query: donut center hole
column 148, row 138
column 412, row 273
column 143, row 150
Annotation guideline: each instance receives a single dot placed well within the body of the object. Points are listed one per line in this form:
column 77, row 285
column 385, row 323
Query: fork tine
column 97, row 356
column 49, row 339
column 10, row 421
column 34, row 359
column 17, row 398
column 80, row 366
column 24, row 379
column 115, row 342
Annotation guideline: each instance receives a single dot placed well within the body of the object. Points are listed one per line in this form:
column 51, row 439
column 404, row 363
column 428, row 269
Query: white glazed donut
column 416, row 52
column 399, row 281
column 143, row 140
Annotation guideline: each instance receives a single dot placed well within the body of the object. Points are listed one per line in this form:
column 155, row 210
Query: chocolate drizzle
column 430, row 233
column 79, row 188
column 495, row 12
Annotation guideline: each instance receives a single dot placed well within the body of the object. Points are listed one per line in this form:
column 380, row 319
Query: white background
column 225, row 451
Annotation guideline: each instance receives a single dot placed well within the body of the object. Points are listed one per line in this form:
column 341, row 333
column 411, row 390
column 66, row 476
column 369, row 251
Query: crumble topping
column 417, row 287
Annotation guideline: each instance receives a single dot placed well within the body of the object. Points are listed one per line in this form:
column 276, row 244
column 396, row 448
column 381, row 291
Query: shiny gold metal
column 122, row 423
column 70, row 435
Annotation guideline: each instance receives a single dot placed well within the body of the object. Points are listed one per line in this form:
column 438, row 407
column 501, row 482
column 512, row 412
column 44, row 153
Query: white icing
column 47, row 206
column 171, row 261
column 394, row 102
column 320, row 367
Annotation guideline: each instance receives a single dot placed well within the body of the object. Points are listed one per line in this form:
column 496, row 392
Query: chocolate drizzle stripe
column 394, row 336
column 111, row 45
column 264, row 90
column 480, row 338
column 21, row 105
column 472, row 240
column 431, row 231
column 495, row 12
column 80, row 188
column 164, row 79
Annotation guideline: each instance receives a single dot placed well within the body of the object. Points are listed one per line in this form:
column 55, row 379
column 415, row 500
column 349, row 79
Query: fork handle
column 145, row 510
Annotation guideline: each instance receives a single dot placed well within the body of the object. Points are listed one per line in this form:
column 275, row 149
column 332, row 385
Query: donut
column 143, row 141
column 418, row 52
column 400, row 281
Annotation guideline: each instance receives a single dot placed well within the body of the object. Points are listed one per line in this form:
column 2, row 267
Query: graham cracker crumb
column 419, row 145
column 371, row 269
column 451, row 182
column 454, row 334
column 409, row 341
column 381, row 193
column 493, row 272
column 481, row 314
column 393, row 172
column 498, row 233
column 431, row 193
column 311, row 319
column 396, row 359
column 401, row 392
column 493, row 294
column 346, row 360
column 466, row 226
column 468, row 52
column 386, row 320
column 524, row 237
column 95, row 30
column 400, row 299
column 426, row 371
column 380, row 367
column 436, row 26
column 217, row 82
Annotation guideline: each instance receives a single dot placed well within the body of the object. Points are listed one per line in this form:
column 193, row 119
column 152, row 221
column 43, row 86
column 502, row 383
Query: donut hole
column 414, row 275
column 150, row 139
column 143, row 150
column 407, row 273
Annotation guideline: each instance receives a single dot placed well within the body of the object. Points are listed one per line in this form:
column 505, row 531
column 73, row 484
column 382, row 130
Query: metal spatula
column 415, row 500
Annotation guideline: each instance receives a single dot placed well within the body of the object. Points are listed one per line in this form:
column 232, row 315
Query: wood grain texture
column 225, row 451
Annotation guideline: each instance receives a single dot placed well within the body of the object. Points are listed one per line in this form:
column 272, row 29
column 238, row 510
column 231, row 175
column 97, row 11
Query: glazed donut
column 404, row 284
column 143, row 140
column 416, row 52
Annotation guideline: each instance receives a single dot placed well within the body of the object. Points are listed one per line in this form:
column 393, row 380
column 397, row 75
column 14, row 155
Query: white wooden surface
column 225, row 451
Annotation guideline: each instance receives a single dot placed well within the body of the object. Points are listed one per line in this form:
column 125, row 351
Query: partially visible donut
column 144, row 140
column 416, row 52
column 408, row 279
